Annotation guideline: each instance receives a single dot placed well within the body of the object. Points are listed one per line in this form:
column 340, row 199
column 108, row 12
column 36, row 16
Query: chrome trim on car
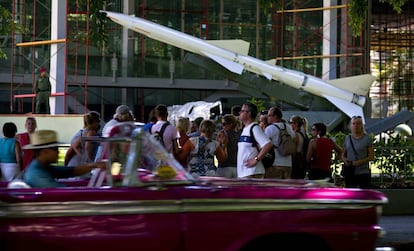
column 91, row 208
column 384, row 249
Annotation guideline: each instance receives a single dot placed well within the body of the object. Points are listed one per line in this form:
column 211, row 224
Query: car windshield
column 135, row 158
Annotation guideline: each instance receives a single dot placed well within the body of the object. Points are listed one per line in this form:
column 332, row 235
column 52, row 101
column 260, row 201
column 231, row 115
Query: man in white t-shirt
column 169, row 136
column 249, row 158
column 122, row 114
column 282, row 166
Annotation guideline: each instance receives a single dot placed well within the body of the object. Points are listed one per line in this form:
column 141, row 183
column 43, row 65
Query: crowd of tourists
column 232, row 147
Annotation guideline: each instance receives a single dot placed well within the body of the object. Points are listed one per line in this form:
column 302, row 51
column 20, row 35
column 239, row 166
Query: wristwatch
column 257, row 159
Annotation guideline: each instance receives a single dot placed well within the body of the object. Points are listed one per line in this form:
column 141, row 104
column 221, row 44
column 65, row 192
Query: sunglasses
column 226, row 123
column 356, row 117
column 244, row 111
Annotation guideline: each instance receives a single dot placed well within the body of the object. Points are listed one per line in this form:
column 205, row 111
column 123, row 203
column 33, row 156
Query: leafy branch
column 358, row 9
column 97, row 21
column 7, row 25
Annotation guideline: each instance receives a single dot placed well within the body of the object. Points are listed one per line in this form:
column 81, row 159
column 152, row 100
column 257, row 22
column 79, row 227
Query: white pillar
column 57, row 57
column 127, row 49
column 329, row 40
column 127, row 39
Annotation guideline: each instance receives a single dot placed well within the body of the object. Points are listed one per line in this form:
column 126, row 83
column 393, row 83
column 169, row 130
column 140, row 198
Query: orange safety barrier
column 36, row 43
column 32, row 95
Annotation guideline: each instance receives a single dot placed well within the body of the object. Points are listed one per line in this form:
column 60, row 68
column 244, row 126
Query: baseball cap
column 122, row 110
column 43, row 69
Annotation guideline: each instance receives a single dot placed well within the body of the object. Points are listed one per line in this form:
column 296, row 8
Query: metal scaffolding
column 392, row 43
column 302, row 42
column 26, row 50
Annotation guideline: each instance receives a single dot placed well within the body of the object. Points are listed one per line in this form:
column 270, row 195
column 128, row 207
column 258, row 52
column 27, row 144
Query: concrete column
column 329, row 40
column 57, row 57
column 127, row 38
column 127, row 52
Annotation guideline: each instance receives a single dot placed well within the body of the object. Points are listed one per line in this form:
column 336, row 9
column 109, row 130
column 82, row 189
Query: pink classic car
column 147, row 201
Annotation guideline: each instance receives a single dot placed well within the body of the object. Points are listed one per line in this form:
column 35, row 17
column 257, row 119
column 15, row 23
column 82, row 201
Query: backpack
column 159, row 135
column 269, row 157
column 286, row 145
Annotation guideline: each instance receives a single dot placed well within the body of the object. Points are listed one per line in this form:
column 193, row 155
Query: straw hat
column 43, row 139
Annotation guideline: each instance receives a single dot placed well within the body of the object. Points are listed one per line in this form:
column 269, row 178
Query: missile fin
column 359, row 84
column 230, row 65
column 348, row 108
column 267, row 75
column 239, row 46
column 271, row 62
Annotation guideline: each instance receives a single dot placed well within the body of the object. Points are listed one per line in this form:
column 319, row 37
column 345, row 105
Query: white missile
column 348, row 94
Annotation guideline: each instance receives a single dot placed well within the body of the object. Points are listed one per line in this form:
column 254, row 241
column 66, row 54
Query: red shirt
column 322, row 155
column 180, row 156
column 28, row 155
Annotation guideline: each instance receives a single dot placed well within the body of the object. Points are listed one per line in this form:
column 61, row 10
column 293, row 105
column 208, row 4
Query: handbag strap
column 352, row 145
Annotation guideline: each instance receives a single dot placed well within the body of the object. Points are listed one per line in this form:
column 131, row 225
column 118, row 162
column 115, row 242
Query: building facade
column 94, row 74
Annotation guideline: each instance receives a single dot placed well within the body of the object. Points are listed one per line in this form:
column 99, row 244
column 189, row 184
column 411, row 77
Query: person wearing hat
column 122, row 114
column 42, row 90
column 41, row 172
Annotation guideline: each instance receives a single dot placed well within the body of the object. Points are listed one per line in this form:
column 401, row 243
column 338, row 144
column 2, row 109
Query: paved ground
column 399, row 232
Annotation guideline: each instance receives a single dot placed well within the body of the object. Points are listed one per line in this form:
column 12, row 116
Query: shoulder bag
column 348, row 171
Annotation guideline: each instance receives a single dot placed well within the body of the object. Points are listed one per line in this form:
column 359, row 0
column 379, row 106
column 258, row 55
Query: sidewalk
column 399, row 232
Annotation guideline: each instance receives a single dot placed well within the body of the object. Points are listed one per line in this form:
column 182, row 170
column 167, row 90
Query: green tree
column 260, row 104
column 97, row 21
column 7, row 26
